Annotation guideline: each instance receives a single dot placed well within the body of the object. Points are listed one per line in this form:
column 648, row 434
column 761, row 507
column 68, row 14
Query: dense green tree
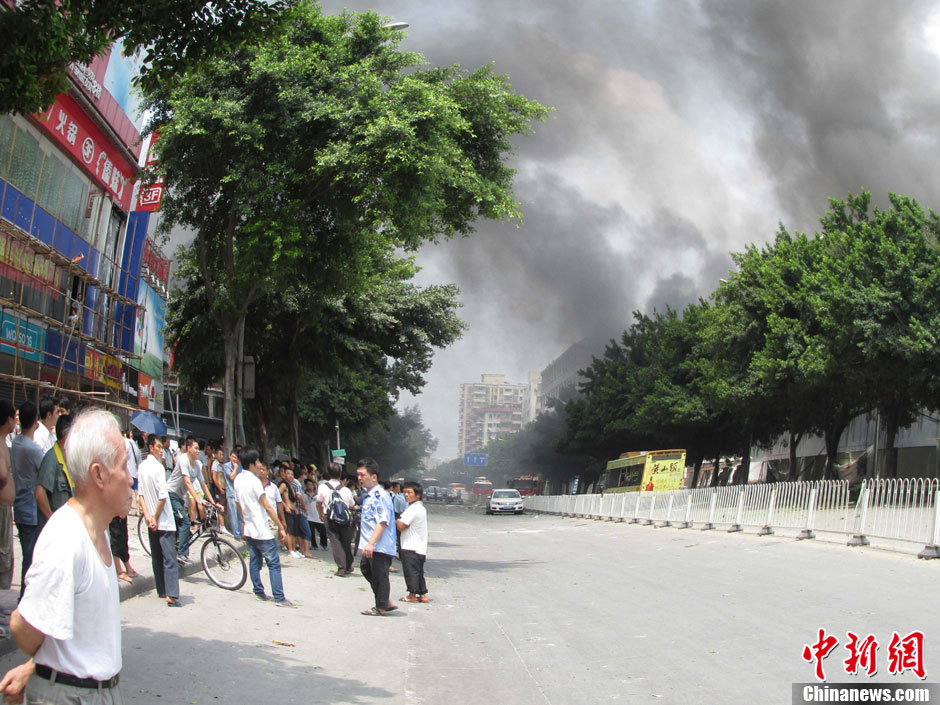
column 310, row 153
column 42, row 38
column 319, row 362
column 881, row 270
column 400, row 444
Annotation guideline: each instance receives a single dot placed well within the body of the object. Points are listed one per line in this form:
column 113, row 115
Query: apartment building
column 489, row 409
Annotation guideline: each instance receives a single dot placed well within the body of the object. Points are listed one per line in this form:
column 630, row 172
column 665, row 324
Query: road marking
column 522, row 661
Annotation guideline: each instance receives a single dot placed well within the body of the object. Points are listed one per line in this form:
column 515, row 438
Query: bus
column 526, row 484
column 481, row 487
column 646, row 471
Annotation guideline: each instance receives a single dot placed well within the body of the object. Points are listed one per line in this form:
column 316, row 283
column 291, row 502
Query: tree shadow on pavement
column 161, row 667
column 450, row 568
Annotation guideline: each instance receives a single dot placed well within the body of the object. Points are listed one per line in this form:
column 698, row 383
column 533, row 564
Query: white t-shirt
column 325, row 495
column 248, row 491
column 311, row 504
column 152, row 487
column 133, row 457
column 72, row 597
column 44, row 438
column 415, row 537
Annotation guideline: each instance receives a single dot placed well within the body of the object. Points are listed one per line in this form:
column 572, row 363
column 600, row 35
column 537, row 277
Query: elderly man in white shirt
column 69, row 621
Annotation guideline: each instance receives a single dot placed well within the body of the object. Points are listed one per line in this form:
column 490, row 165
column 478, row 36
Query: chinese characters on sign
column 68, row 125
column 155, row 270
column 904, row 654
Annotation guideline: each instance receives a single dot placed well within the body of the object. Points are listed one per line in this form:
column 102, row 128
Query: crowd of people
column 84, row 479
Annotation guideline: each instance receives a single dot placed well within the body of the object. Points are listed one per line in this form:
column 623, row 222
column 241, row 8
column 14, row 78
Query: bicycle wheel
column 143, row 534
column 223, row 563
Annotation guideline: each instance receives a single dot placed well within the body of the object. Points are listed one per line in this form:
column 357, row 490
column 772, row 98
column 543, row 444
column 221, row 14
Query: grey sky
column 682, row 131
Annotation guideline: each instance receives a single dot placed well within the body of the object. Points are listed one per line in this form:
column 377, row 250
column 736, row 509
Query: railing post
column 932, row 550
column 767, row 528
column 649, row 519
column 687, row 524
column 636, row 510
column 710, row 524
column 623, row 505
column 807, row 532
column 668, row 512
column 859, row 538
column 737, row 524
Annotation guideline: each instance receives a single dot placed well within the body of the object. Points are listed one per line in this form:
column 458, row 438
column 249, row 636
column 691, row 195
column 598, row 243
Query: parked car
column 433, row 494
column 504, row 502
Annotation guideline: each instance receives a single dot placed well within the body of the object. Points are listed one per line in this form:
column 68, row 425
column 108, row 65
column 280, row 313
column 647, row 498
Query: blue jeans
column 235, row 519
column 28, row 535
column 182, row 524
column 266, row 550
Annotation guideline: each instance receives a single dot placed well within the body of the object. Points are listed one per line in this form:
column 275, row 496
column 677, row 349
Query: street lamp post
column 338, row 446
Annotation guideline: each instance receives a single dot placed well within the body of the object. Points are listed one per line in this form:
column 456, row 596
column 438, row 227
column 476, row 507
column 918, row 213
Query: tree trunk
column 795, row 439
column 716, row 472
column 230, row 341
column 261, row 425
column 833, row 434
column 744, row 470
column 697, row 469
column 890, row 453
column 294, row 422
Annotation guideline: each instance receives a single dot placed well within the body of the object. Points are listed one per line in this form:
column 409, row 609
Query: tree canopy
column 312, row 156
column 42, row 38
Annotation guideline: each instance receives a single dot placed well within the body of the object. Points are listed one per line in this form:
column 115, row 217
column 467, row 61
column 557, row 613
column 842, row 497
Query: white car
column 504, row 502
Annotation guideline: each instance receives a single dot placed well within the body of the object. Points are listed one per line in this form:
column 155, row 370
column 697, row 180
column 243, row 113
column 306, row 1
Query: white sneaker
column 296, row 554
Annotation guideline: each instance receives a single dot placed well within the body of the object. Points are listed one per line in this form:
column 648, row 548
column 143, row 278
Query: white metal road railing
column 906, row 510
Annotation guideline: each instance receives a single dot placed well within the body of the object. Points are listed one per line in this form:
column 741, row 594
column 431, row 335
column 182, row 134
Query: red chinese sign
column 904, row 654
column 151, row 197
column 155, row 269
column 66, row 123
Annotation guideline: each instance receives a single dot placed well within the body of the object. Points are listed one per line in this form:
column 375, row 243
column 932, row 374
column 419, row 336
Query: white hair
column 89, row 442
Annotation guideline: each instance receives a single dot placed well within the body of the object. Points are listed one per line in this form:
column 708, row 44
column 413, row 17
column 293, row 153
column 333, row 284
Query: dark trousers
column 28, row 535
column 166, row 569
column 341, row 544
column 317, row 528
column 375, row 570
column 412, row 564
column 182, row 524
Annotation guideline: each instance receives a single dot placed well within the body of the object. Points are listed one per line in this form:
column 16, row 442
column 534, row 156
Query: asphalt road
column 538, row 609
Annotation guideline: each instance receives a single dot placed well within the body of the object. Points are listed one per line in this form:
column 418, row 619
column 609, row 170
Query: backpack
column 338, row 512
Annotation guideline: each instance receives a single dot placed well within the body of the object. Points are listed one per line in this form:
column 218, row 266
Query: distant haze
column 682, row 131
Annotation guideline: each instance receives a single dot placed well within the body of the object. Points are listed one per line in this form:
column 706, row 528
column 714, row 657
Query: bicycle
column 221, row 559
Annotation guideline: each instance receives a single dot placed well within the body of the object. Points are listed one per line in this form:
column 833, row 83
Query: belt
column 68, row 679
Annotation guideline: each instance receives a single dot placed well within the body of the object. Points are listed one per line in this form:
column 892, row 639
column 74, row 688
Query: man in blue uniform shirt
column 377, row 539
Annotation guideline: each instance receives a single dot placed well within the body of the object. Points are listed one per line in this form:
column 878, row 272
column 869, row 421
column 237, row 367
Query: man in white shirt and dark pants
column 161, row 526
column 69, row 620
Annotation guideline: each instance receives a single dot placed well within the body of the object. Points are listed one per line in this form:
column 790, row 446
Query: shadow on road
column 160, row 667
column 450, row 568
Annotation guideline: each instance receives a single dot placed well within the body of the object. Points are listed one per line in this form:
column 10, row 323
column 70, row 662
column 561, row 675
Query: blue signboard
column 25, row 339
column 476, row 459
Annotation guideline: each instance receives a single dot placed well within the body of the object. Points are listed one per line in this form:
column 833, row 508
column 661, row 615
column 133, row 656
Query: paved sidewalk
column 140, row 562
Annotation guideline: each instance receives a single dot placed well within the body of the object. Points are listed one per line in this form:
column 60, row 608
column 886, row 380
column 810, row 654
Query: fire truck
column 526, row 484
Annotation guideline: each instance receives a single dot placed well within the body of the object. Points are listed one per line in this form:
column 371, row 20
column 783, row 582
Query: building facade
column 560, row 378
column 489, row 409
column 82, row 282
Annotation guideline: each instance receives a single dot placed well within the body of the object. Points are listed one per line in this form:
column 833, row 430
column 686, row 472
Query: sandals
column 408, row 599
column 372, row 612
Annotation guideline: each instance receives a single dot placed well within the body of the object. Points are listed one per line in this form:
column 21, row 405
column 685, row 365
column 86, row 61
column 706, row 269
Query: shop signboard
column 20, row 337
